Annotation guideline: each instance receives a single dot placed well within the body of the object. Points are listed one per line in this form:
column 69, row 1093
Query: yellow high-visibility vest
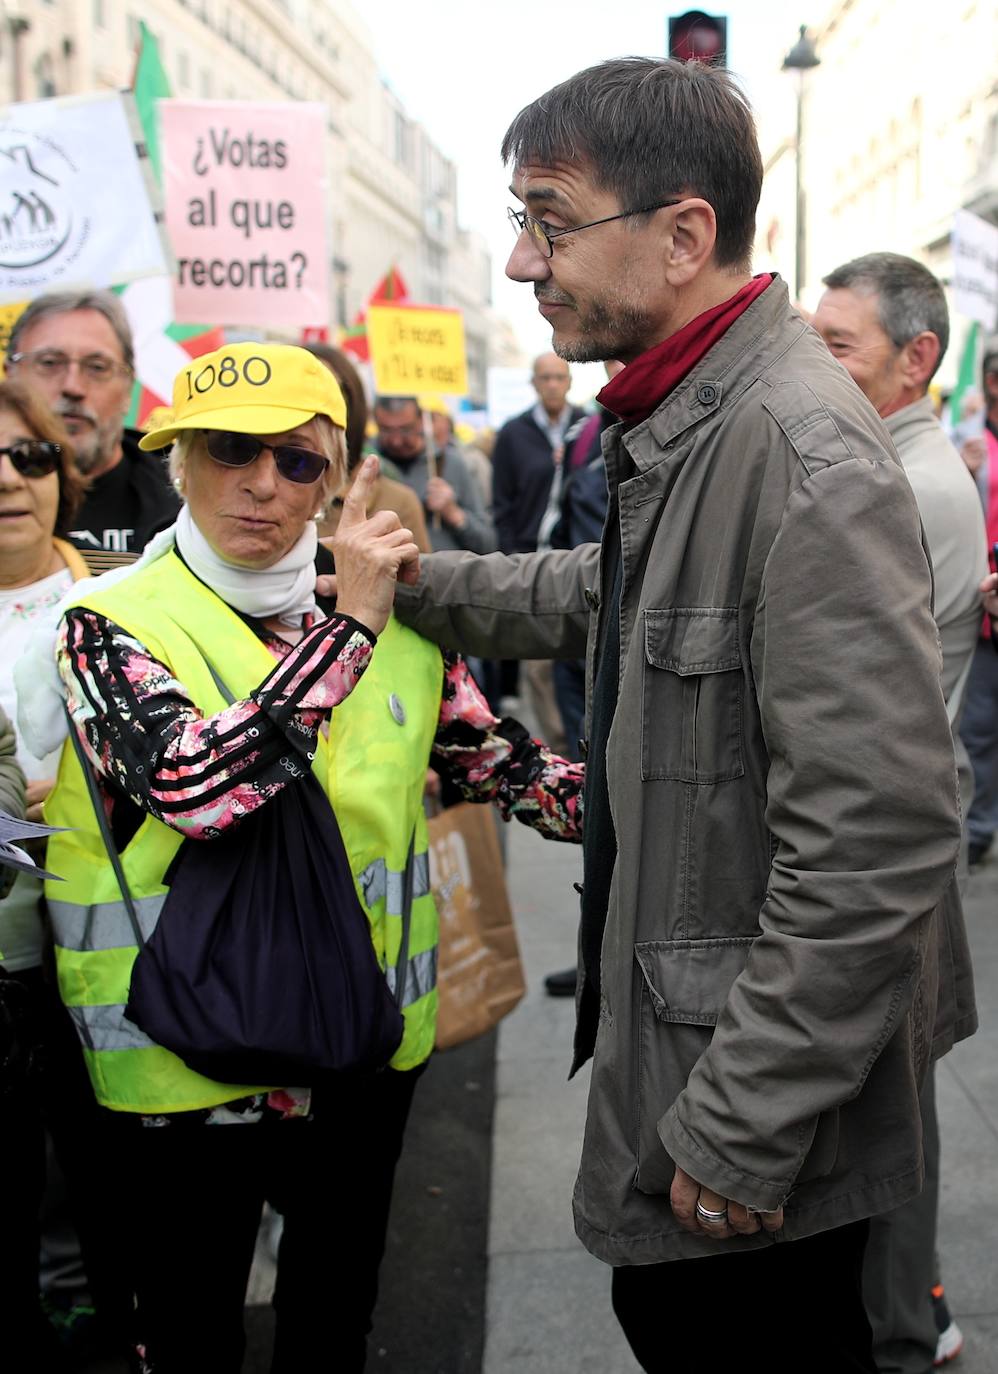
column 372, row 768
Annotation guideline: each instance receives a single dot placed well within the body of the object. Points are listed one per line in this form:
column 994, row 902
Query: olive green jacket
column 783, row 787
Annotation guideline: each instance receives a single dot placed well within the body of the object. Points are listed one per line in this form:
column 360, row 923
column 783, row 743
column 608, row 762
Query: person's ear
column 919, row 358
column 691, row 235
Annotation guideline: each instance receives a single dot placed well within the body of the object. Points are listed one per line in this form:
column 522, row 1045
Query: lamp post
column 800, row 59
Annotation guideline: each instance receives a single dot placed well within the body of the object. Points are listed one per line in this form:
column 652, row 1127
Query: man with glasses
column 771, row 818
column 527, row 455
column 455, row 510
column 527, row 477
column 75, row 349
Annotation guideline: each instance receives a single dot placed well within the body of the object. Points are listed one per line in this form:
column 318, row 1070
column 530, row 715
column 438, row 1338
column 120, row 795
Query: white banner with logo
column 74, row 205
column 975, row 268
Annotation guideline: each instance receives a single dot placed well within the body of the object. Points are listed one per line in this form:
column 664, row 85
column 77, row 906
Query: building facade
column 900, row 130
column 393, row 192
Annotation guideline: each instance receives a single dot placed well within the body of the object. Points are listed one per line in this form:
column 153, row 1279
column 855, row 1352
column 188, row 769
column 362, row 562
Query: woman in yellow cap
column 201, row 684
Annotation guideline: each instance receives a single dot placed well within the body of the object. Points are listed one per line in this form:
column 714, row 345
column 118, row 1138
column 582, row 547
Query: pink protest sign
column 246, row 211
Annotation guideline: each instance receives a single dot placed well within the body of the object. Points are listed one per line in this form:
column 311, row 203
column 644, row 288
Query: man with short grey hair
column 885, row 318
column 75, row 349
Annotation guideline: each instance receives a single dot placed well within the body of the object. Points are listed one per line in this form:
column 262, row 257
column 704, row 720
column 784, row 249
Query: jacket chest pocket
column 691, row 701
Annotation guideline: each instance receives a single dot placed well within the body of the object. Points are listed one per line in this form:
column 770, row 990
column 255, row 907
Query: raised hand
column 372, row 554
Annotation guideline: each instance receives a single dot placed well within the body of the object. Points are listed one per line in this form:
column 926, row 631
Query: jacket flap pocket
column 689, row 980
column 688, row 640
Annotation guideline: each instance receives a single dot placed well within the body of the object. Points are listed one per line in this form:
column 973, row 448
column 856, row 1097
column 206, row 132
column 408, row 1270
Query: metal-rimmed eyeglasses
column 51, row 364
column 544, row 234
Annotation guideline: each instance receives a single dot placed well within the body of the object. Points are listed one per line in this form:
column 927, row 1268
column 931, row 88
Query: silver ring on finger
column 707, row 1214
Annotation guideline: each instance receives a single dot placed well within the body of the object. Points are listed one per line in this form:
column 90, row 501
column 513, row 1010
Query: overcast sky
column 464, row 69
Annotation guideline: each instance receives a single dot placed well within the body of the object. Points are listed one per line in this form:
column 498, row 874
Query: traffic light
column 698, row 37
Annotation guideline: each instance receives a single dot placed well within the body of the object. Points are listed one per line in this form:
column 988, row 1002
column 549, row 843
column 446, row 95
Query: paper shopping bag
column 480, row 974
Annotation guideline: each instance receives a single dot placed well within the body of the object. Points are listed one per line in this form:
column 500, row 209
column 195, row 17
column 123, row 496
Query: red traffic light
column 698, row 37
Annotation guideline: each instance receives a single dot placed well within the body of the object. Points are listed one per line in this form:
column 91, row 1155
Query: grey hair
column 106, row 303
column 332, row 443
column 910, row 300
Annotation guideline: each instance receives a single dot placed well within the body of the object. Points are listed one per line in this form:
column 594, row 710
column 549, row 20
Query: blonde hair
column 332, row 445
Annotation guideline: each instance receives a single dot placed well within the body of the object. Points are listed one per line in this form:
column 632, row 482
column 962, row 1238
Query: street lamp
column 800, row 59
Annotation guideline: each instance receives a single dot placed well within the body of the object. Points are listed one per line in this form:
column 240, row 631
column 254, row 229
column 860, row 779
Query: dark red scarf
column 640, row 389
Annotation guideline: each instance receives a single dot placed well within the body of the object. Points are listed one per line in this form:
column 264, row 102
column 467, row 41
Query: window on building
column 44, row 77
column 205, row 83
column 183, row 69
column 990, row 147
column 132, row 31
column 100, row 14
column 403, row 140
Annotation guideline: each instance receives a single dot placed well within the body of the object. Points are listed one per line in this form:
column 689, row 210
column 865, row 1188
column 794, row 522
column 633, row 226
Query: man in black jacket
column 75, row 349
column 528, row 451
column 527, row 475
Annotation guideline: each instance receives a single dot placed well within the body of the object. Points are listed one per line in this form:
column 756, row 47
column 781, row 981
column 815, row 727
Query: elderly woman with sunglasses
column 258, row 433
column 43, row 1079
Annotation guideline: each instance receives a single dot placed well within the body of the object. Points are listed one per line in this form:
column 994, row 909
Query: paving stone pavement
column 548, row 1309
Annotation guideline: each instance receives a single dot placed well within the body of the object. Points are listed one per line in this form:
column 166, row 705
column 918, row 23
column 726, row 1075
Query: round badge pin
column 397, row 709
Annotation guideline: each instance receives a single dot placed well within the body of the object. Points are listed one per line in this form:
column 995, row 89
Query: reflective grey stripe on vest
column 379, row 881
column 421, row 978
column 105, row 1028
column 104, row 925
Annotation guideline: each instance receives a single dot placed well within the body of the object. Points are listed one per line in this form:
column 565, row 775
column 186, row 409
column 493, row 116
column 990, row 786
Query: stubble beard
column 606, row 331
column 97, row 452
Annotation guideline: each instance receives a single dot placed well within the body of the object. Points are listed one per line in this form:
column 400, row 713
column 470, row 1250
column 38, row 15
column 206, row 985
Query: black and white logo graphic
column 40, row 219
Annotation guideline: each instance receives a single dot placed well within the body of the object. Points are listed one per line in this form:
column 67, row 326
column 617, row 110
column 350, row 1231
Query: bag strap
column 224, row 692
column 408, row 881
column 105, row 831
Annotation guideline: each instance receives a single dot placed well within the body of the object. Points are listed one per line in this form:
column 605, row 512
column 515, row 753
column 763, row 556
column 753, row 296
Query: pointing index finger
column 356, row 499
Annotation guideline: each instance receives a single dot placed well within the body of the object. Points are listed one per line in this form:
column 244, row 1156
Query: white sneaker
column 949, row 1344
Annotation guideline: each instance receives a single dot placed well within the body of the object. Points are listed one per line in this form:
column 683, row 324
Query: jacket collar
column 641, row 387
column 723, row 374
column 911, row 419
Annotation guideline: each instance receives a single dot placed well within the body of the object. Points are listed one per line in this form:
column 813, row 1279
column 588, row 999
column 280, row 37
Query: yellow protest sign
column 8, row 318
column 417, row 348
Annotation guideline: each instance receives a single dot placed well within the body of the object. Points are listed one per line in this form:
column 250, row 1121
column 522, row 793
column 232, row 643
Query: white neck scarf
column 285, row 590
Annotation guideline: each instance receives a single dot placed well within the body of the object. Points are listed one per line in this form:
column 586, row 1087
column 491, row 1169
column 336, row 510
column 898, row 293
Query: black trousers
column 195, row 1195
column 791, row 1307
column 45, row 1086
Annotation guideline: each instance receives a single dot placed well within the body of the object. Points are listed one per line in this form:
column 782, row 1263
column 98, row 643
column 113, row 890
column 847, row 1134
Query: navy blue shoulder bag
column 261, row 967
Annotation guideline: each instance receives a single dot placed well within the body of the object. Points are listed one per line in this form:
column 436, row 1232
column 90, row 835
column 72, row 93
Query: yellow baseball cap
column 250, row 388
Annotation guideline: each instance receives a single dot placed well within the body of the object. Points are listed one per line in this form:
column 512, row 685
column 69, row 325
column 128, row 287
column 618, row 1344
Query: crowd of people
column 750, row 592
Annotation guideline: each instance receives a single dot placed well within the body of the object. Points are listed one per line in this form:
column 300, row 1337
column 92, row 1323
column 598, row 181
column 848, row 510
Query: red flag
column 205, row 341
column 390, row 289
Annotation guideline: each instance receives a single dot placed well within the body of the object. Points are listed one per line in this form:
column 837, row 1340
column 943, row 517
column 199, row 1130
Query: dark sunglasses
column 239, row 450
column 33, row 457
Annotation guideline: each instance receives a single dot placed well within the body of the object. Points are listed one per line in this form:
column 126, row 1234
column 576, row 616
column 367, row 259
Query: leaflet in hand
column 11, row 855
